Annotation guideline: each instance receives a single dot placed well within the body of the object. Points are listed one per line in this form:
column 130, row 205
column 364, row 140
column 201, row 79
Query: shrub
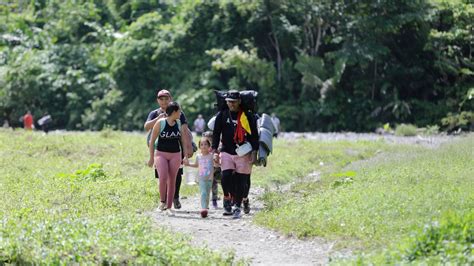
column 93, row 172
column 463, row 120
column 406, row 130
column 431, row 130
column 449, row 241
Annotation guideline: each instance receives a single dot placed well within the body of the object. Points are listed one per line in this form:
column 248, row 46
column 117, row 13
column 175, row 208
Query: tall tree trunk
column 276, row 45
column 374, row 80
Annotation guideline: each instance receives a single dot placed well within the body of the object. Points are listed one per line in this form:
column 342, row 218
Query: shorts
column 241, row 164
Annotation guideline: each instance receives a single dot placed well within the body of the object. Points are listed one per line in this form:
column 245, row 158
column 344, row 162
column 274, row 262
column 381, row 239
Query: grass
column 81, row 198
column 376, row 203
column 295, row 159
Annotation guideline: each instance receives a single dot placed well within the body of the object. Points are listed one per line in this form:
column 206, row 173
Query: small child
column 217, row 173
column 204, row 163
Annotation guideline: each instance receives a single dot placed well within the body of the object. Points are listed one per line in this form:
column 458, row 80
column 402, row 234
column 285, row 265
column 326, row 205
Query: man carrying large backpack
column 238, row 130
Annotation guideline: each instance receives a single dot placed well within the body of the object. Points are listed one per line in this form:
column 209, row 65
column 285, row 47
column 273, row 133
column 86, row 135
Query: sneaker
column 177, row 204
column 214, row 204
column 236, row 214
column 162, row 206
column 246, row 206
column 169, row 212
column 203, row 213
column 227, row 208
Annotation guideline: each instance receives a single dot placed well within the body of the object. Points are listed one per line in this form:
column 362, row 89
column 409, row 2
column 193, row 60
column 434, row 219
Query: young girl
column 204, row 163
column 216, row 180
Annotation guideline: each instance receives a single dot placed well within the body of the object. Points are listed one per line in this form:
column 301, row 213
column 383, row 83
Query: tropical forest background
column 319, row 65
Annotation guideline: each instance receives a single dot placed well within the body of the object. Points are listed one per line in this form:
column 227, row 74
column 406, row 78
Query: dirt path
column 256, row 245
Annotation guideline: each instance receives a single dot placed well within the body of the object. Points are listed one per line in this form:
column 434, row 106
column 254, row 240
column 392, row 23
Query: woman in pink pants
column 165, row 155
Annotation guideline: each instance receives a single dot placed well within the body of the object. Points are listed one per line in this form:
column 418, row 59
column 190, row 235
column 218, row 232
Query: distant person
column 6, row 124
column 276, row 123
column 163, row 98
column 166, row 155
column 44, row 122
column 28, row 121
column 205, row 164
column 199, row 125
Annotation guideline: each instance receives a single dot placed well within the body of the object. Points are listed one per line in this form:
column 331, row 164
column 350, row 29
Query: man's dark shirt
column 226, row 123
column 155, row 113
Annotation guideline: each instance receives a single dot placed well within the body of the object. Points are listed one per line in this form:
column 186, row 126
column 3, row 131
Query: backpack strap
column 162, row 127
column 179, row 124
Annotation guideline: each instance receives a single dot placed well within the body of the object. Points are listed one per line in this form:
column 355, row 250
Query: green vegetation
column 319, row 65
column 84, row 198
column 375, row 203
column 406, row 130
column 297, row 158
column 81, row 198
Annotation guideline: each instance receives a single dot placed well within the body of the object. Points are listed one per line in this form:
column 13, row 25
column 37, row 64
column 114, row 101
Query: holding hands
column 186, row 161
column 216, row 158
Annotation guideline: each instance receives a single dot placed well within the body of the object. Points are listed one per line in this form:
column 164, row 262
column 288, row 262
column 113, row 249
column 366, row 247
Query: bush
column 449, row 241
column 431, row 130
column 406, row 130
column 464, row 120
column 93, row 172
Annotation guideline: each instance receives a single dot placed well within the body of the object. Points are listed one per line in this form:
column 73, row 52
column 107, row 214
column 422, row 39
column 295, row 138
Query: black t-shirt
column 155, row 113
column 225, row 125
column 168, row 140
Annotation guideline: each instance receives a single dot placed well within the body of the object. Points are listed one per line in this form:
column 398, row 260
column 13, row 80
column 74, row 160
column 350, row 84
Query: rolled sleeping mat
column 265, row 121
column 262, row 156
column 262, row 153
column 266, row 139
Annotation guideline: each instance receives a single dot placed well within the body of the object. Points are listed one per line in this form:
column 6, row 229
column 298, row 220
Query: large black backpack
column 220, row 100
column 248, row 100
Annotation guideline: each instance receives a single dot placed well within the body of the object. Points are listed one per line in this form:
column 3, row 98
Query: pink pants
column 167, row 164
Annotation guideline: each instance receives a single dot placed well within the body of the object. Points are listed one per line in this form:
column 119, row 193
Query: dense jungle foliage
column 319, row 65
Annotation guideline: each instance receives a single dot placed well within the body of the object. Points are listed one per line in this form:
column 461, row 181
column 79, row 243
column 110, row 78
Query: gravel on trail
column 257, row 245
column 254, row 244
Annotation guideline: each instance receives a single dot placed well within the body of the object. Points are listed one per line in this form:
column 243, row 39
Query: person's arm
column 154, row 136
column 253, row 138
column 186, row 141
column 216, row 133
column 195, row 164
column 151, row 122
column 186, row 136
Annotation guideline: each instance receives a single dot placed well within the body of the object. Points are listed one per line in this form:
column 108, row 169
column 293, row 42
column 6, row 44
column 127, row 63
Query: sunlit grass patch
column 295, row 159
column 79, row 198
column 378, row 202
